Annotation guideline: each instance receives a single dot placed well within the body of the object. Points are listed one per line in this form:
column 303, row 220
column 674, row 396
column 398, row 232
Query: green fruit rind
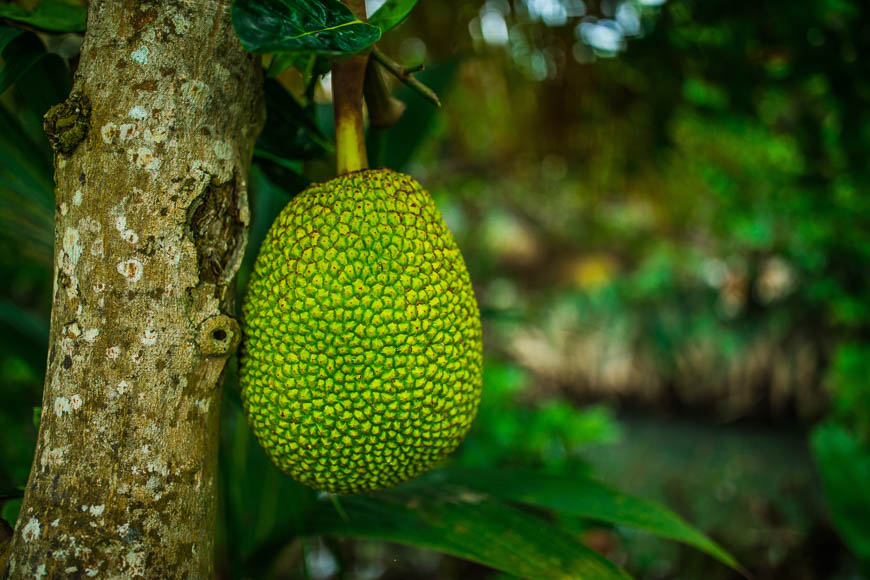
column 361, row 360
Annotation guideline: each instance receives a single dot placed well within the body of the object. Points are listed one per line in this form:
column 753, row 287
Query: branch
column 406, row 76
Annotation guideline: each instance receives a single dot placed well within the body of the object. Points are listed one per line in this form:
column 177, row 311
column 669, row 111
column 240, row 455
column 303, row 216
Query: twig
column 405, row 75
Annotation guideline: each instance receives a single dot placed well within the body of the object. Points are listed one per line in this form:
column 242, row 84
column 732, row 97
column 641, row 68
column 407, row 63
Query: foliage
column 392, row 13
column 844, row 465
column 697, row 184
column 848, row 379
column 707, row 163
column 51, row 15
column 459, row 520
column 548, row 435
column 449, row 509
column 319, row 26
column 19, row 52
column 842, row 448
column 577, row 495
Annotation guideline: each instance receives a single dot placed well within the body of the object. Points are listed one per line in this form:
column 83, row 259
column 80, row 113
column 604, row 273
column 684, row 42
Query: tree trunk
column 153, row 151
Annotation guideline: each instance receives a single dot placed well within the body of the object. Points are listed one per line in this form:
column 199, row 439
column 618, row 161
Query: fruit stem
column 347, row 101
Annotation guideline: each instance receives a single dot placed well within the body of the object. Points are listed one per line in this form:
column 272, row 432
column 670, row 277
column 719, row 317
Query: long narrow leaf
column 457, row 521
column 26, row 325
column 7, row 35
column 23, row 166
column 844, row 466
column 585, row 498
column 19, row 56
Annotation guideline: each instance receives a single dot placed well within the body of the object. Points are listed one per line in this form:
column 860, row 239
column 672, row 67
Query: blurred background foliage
column 664, row 207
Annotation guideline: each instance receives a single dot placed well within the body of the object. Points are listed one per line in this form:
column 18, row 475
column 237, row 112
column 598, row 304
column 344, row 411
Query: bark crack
column 216, row 229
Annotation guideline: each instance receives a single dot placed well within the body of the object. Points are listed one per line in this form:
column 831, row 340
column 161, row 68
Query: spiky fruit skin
column 361, row 361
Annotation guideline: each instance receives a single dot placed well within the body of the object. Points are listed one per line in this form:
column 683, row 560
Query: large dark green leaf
column 26, row 184
column 19, row 55
column 317, row 26
column 289, row 137
column 583, row 497
column 284, row 60
column 24, row 333
column 26, row 192
column 7, row 35
column 462, row 522
column 290, row 132
column 52, row 15
column 27, row 325
column 844, row 465
column 391, row 14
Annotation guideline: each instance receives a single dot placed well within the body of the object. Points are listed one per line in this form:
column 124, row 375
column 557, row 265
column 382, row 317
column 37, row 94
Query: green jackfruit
column 361, row 362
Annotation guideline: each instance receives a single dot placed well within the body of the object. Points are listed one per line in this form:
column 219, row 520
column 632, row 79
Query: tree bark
column 153, row 151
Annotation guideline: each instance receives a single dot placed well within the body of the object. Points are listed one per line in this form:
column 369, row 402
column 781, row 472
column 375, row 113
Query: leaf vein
column 310, row 32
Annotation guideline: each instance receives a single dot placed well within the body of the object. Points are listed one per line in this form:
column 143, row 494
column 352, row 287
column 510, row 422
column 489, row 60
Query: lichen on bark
column 150, row 225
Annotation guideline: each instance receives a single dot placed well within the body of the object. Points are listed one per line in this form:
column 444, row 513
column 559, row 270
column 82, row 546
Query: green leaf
column 37, row 416
column 21, row 332
column 582, row 497
column 314, row 26
column 27, row 325
column 284, row 60
column 290, row 132
column 25, row 154
column 10, row 511
column 844, row 465
column 391, row 14
column 458, row 521
column 51, row 15
column 19, row 56
column 282, row 171
column 26, row 201
column 7, row 35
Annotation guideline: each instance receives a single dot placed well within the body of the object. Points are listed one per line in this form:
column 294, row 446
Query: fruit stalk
column 348, row 77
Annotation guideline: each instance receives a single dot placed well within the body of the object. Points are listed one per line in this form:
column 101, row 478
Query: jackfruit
column 361, row 360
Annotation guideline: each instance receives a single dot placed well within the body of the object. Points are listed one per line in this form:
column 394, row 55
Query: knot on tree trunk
column 219, row 336
column 66, row 124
